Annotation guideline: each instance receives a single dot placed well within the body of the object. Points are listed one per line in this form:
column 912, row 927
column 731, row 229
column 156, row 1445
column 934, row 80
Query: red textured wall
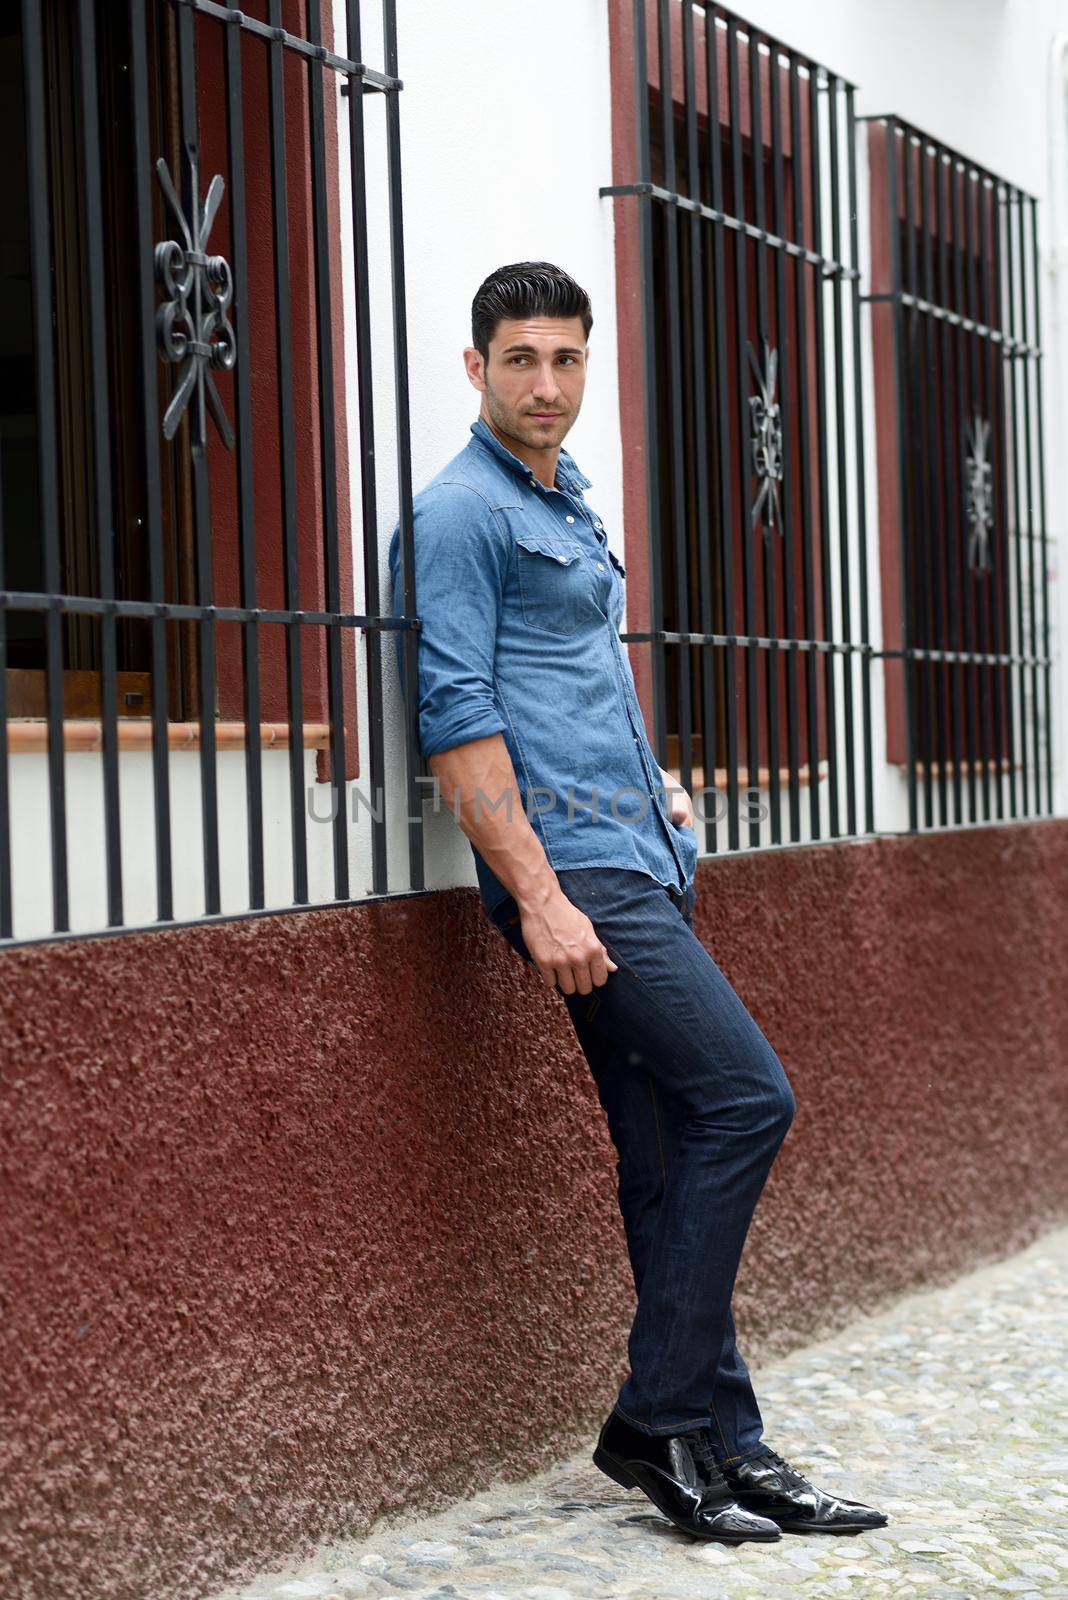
column 312, row 1216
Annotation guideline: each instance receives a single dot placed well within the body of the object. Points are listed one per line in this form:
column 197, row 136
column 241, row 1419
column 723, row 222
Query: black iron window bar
column 964, row 301
column 792, row 465
column 201, row 328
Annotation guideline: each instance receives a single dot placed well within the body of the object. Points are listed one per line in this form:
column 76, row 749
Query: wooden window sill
column 763, row 775
column 135, row 733
column 991, row 764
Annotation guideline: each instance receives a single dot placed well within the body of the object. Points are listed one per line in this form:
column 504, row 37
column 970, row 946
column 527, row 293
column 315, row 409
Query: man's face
column 532, row 383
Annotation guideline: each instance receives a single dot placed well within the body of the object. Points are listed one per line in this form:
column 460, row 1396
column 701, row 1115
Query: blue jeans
column 697, row 1104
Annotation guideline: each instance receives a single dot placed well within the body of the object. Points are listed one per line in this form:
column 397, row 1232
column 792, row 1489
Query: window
column 80, row 503
column 962, row 526
column 740, row 381
column 176, row 552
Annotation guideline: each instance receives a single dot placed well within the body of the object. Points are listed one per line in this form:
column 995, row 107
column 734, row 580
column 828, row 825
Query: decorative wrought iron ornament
column 978, row 494
column 765, row 429
column 192, row 326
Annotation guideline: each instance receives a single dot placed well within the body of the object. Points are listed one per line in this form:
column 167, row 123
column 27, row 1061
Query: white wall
column 970, row 72
column 506, row 115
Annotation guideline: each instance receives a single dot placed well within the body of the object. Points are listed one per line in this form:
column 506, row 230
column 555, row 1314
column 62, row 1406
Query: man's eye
column 517, row 360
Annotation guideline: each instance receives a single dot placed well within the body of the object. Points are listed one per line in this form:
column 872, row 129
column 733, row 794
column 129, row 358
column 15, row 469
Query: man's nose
column 545, row 384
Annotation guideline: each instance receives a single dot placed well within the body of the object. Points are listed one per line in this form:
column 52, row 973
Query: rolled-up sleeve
column 461, row 564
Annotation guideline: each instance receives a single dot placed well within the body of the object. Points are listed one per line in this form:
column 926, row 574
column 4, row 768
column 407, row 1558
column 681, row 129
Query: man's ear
column 475, row 367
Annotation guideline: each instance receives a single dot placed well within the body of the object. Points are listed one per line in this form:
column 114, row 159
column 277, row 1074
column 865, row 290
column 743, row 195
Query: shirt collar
column 568, row 475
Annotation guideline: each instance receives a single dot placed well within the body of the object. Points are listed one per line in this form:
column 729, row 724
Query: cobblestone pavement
column 949, row 1411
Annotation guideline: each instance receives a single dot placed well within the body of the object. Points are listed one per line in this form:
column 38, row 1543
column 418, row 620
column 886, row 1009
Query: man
column 531, row 726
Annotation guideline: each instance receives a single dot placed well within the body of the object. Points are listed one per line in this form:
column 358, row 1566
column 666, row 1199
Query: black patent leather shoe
column 680, row 1476
column 769, row 1486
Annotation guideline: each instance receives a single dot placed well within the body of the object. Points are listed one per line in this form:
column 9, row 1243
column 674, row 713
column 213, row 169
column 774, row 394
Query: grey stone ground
column 949, row 1411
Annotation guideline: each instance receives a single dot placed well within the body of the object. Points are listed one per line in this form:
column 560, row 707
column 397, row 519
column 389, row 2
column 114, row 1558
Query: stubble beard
column 515, row 425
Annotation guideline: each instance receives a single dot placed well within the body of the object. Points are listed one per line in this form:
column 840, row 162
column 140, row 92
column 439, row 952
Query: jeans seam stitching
column 614, row 953
column 719, row 1428
column 656, row 1124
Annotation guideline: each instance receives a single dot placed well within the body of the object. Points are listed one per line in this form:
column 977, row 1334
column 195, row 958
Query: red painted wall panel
column 268, row 514
column 805, row 511
column 312, row 1216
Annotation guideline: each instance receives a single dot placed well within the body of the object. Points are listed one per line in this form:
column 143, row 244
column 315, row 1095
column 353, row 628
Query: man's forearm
column 477, row 782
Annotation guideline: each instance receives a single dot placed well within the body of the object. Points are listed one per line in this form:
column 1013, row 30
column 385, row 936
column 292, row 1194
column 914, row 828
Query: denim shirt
column 521, row 601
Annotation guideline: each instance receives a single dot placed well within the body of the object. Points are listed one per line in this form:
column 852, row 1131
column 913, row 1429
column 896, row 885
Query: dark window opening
column 954, row 324
column 770, row 364
column 20, row 444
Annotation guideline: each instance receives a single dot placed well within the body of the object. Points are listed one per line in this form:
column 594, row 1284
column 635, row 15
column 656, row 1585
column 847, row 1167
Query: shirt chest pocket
column 555, row 584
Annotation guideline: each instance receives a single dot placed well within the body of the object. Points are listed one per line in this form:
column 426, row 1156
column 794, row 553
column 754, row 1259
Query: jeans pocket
column 619, row 960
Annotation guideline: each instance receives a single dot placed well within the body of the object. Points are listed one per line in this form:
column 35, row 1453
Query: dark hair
column 526, row 289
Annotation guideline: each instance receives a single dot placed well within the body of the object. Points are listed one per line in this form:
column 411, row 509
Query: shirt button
column 563, row 559
column 533, row 482
column 598, row 525
column 600, row 566
column 569, row 519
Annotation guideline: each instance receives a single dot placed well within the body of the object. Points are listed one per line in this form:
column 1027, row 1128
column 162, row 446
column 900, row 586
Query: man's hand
column 679, row 804
column 564, row 946
column 477, row 778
